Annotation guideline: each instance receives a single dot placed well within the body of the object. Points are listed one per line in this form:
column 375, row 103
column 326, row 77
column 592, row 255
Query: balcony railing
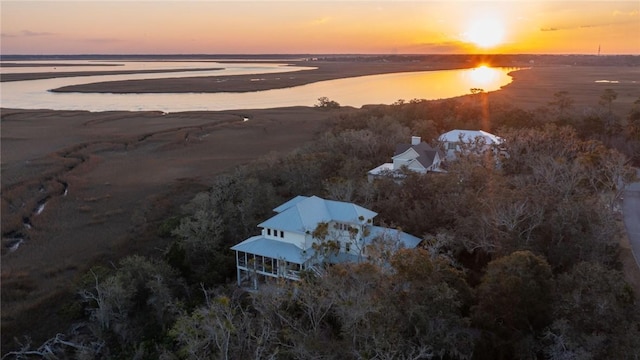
column 292, row 274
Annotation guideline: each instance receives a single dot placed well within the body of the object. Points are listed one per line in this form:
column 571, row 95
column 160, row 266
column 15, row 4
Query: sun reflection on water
column 484, row 75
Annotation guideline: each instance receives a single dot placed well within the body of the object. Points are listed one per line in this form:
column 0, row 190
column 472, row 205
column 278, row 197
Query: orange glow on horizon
column 315, row 27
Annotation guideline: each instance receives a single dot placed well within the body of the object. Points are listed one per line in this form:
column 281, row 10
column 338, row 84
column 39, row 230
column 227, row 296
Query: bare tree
column 607, row 98
column 607, row 171
column 207, row 332
column 59, row 347
column 518, row 218
column 562, row 101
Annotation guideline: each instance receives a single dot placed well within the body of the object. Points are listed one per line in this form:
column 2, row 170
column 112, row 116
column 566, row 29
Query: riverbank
column 323, row 70
column 53, row 75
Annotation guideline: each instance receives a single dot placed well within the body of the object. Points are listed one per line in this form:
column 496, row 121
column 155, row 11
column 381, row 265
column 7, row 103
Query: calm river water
column 357, row 91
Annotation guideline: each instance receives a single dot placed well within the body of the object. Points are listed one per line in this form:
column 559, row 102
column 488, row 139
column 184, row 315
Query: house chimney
column 415, row 140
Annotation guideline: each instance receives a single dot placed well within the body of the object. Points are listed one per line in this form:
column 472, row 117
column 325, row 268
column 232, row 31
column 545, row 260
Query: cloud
column 321, row 21
column 586, row 26
column 34, row 33
column 101, row 40
column 590, row 26
column 26, row 33
column 626, row 13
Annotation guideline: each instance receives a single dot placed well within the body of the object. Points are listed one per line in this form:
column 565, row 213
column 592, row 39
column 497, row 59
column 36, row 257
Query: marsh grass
column 16, row 286
column 534, row 87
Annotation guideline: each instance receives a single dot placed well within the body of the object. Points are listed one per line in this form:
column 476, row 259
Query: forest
column 519, row 258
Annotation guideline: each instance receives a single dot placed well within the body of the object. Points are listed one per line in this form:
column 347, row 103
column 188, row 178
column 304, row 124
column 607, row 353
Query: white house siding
column 436, row 162
column 285, row 236
column 451, row 149
column 295, row 239
column 343, row 237
column 416, row 166
column 404, row 159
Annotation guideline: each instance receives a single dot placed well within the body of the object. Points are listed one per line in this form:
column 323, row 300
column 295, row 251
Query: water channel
column 356, row 91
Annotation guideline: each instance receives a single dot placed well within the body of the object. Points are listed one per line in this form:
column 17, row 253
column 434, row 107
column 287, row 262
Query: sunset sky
column 320, row 27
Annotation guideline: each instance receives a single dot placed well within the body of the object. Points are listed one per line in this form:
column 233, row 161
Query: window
column 268, row 231
column 281, row 234
column 451, row 146
column 259, row 263
column 347, row 247
column 343, row 227
column 271, row 266
column 242, row 258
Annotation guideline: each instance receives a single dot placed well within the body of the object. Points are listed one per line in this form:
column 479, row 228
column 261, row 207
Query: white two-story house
column 455, row 141
column 418, row 156
column 307, row 232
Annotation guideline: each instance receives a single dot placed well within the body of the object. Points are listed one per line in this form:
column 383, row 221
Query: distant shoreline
column 324, row 70
column 328, row 67
column 53, row 75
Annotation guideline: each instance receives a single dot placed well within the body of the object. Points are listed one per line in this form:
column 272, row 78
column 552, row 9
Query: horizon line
column 325, row 54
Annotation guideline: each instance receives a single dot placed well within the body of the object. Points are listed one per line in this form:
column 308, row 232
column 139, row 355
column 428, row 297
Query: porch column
column 237, row 270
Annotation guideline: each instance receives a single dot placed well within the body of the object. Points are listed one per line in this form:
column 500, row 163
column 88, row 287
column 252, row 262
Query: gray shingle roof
column 426, row 154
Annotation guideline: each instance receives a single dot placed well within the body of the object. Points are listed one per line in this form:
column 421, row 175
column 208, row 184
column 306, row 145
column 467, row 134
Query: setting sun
column 485, row 33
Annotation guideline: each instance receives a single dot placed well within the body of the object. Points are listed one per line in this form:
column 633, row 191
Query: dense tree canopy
column 519, row 258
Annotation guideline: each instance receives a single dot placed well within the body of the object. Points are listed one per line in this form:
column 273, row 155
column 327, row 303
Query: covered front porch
column 260, row 260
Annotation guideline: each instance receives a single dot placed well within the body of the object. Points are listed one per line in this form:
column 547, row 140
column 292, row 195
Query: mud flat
column 534, row 87
column 80, row 188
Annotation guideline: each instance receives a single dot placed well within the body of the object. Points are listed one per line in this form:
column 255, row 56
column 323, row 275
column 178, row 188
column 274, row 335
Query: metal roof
column 275, row 249
column 404, row 240
column 302, row 214
column 471, row 135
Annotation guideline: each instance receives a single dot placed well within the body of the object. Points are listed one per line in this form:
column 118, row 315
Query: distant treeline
column 494, row 59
